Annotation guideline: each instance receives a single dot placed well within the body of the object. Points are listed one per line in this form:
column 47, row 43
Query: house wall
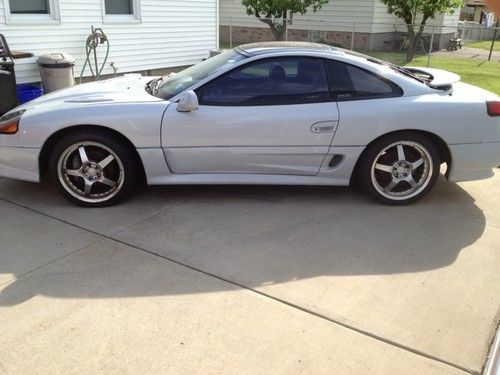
column 334, row 23
column 337, row 15
column 169, row 33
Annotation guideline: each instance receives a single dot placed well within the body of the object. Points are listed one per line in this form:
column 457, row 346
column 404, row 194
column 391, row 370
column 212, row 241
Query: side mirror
column 188, row 102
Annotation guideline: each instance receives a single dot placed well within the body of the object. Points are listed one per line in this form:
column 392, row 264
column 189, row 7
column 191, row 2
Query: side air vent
column 336, row 160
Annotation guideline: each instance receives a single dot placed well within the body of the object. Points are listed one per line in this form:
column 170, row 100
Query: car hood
column 128, row 88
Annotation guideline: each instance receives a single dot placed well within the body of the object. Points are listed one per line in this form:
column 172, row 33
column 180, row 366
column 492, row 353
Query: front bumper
column 19, row 163
column 474, row 161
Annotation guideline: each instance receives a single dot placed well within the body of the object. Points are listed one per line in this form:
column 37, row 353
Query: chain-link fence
column 469, row 49
column 395, row 42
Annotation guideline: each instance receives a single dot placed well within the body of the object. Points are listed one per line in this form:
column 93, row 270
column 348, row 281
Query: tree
column 410, row 11
column 277, row 14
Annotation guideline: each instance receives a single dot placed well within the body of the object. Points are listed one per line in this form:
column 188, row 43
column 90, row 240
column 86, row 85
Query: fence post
column 353, row 34
column 285, row 25
column 430, row 47
column 493, row 41
column 231, row 34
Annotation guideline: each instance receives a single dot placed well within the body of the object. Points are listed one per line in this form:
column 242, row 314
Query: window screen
column 280, row 81
column 29, row 6
column 348, row 82
column 119, row 7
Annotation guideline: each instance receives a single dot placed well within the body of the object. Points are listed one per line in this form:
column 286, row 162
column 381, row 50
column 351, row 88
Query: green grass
column 485, row 74
column 486, row 45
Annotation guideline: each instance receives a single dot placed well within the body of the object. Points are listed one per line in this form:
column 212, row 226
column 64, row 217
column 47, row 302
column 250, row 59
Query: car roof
column 261, row 48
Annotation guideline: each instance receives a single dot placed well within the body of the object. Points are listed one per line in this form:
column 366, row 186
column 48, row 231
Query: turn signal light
column 9, row 128
column 493, row 108
column 9, row 124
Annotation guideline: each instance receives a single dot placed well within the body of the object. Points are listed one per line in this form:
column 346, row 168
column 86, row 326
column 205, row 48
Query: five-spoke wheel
column 400, row 168
column 92, row 169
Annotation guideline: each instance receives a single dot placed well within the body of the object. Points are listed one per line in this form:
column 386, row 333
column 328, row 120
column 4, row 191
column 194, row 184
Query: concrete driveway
column 249, row 280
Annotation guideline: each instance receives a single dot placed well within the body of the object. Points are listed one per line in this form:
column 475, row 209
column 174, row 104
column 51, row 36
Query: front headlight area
column 9, row 123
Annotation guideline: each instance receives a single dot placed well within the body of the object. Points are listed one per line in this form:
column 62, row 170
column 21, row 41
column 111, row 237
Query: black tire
column 123, row 169
column 379, row 155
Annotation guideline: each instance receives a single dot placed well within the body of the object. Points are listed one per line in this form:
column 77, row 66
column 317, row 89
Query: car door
column 272, row 116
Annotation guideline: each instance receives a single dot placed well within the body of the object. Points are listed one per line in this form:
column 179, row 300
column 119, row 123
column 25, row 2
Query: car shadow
column 249, row 235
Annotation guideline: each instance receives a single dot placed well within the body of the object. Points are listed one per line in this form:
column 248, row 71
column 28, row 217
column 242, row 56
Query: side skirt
column 158, row 173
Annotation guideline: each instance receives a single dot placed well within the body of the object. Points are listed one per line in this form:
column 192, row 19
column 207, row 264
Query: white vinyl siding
column 169, row 33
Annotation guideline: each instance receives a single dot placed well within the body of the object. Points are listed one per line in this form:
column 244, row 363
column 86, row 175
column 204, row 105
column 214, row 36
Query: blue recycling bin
column 27, row 92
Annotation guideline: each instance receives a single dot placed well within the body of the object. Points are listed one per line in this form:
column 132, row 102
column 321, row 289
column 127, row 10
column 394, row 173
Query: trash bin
column 8, row 97
column 56, row 71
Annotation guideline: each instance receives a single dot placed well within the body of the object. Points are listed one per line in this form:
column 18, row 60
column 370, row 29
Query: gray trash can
column 56, row 71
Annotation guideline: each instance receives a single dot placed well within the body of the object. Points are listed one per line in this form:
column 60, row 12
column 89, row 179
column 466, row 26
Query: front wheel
column 93, row 169
column 400, row 168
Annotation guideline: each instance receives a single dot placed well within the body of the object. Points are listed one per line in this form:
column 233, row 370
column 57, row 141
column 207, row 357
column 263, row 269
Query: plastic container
column 27, row 92
column 56, row 71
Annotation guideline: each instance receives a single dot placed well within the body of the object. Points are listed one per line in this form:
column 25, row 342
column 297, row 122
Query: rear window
column 349, row 82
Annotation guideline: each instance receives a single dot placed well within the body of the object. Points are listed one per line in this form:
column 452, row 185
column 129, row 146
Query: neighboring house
column 334, row 23
column 477, row 11
column 143, row 34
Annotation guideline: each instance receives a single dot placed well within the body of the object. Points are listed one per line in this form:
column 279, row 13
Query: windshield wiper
column 400, row 69
column 409, row 73
column 153, row 85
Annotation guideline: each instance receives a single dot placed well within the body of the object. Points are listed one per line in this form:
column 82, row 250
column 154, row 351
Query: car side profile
column 266, row 113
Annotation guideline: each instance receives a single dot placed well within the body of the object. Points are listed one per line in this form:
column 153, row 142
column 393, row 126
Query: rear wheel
column 93, row 169
column 400, row 168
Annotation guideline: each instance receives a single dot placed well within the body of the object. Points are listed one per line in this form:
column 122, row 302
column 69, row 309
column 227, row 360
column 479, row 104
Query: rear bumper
column 474, row 161
column 19, row 163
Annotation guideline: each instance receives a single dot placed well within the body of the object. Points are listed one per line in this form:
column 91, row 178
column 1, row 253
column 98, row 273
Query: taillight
column 493, row 108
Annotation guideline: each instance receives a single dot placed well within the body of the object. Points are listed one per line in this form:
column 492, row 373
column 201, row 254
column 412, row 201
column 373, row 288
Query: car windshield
column 173, row 84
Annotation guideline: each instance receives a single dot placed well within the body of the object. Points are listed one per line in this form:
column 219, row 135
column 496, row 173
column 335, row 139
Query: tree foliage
column 414, row 12
column 410, row 10
column 277, row 14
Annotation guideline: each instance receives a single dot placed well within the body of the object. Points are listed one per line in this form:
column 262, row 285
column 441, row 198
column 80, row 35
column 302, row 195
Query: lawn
column 485, row 74
column 486, row 44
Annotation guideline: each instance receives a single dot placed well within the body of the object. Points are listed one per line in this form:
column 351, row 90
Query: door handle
column 324, row 127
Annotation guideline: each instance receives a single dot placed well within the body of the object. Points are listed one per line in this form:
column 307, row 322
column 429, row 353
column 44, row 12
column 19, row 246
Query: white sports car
column 265, row 113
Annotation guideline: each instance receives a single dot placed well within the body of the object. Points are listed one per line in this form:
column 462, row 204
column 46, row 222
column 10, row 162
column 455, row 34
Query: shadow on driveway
column 251, row 235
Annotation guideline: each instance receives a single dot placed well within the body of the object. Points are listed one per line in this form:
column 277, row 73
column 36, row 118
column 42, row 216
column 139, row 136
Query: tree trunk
column 276, row 28
column 414, row 38
column 277, row 31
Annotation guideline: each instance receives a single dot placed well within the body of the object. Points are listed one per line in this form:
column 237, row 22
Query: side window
column 348, row 82
column 278, row 81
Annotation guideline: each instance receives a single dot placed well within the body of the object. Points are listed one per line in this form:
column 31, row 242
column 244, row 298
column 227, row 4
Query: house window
column 31, row 12
column 119, row 6
column 29, row 6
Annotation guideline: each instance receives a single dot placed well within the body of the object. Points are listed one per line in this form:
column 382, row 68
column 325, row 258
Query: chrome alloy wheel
column 402, row 170
column 90, row 171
